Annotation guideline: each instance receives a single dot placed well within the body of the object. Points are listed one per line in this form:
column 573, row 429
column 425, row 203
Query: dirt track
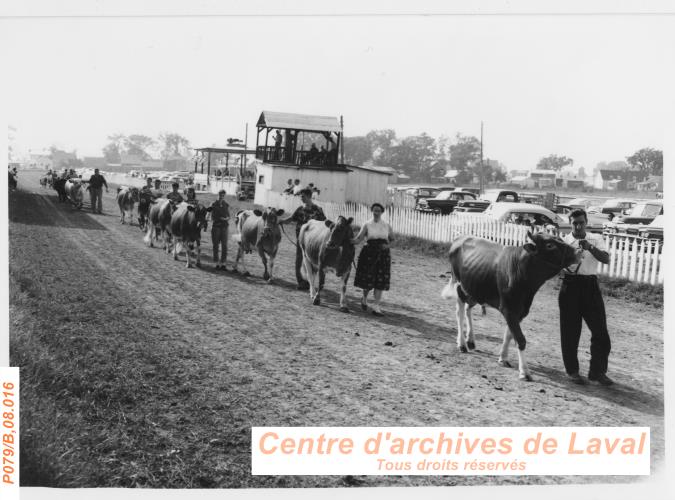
column 259, row 354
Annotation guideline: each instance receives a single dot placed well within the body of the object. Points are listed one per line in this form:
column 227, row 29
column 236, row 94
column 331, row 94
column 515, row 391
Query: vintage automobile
column 444, row 202
column 616, row 206
column 424, row 192
column 490, row 196
column 653, row 230
column 642, row 213
column 527, row 214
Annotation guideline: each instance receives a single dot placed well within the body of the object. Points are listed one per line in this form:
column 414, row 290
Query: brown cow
column 259, row 230
column 506, row 278
column 327, row 245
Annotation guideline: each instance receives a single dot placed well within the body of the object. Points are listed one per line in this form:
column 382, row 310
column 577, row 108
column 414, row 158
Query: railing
column 281, row 154
column 635, row 260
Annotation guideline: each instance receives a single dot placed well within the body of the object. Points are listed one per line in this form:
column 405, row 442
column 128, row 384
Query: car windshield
column 444, row 195
column 645, row 210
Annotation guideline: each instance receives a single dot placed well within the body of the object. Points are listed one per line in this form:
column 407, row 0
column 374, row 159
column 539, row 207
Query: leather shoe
column 601, row 379
column 575, row 378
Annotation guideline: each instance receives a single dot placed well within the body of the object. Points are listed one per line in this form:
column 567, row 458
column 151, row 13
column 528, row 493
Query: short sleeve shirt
column 303, row 214
column 589, row 264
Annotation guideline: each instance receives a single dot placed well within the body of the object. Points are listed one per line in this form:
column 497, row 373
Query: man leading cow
column 580, row 298
column 220, row 217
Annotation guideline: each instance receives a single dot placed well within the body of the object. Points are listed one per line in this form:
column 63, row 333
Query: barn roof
column 309, row 123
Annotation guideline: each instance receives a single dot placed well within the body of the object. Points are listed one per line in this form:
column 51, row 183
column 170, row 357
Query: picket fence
column 635, row 260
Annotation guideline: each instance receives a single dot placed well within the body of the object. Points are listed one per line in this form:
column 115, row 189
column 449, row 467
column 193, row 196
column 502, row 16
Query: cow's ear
column 190, row 208
column 257, row 212
column 530, row 248
column 328, row 223
column 280, row 212
column 350, row 220
column 209, row 209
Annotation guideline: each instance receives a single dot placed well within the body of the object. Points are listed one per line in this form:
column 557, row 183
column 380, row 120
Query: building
column 653, row 183
column 287, row 145
column 621, row 180
column 540, row 178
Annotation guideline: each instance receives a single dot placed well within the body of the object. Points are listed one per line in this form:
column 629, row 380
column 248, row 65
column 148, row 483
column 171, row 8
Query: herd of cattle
column 482, row 272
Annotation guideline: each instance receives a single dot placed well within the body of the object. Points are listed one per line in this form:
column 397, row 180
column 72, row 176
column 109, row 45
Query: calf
column 327, row 245
column 506, row 278
column 75, row 192
column 187, row 223
column 259, row 230
column 126, row 198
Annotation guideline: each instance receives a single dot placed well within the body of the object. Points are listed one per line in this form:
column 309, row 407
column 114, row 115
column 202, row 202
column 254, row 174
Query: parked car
column 584, row 203
column 528, row 215
column 489, row 197
column 424, row 192
column 444, row 202
column 642, row 213
column 653, row 230
column 616, row 206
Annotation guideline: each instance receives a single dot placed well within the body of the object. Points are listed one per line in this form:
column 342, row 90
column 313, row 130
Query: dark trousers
column 298, row 265
column 580, row 298
column 219, row 238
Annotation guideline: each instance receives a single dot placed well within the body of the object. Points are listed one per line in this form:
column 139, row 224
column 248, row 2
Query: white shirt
column 588, row 265
column 375, row 231
column 297, row 189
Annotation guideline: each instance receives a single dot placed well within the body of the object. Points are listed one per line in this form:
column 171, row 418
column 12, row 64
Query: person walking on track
column 96, row 183
column 220, row 217
column 580, row 298
column 373, row 270
column 308, row 211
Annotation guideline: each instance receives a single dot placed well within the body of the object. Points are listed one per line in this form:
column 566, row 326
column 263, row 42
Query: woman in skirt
column 374, row 266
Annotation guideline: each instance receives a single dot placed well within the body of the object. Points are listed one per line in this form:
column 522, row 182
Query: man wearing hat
column 220, row 217
column 174, row 196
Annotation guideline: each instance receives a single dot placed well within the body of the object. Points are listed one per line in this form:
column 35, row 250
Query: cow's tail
column 450, row 290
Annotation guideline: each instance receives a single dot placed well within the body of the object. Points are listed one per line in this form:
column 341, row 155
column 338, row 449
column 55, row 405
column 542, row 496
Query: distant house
column 393, row 174
column 653, row 183
column 571, row 177
column 618, row 179
column 61, row 158
column 519, row 177
column 40, row 160
column 540, row 178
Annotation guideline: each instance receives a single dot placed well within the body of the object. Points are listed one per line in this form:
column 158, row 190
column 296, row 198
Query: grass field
column 138, row 372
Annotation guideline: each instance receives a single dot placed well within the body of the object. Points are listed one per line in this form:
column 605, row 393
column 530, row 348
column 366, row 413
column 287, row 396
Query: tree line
column 166, row 145
column 647, row 160
column 422, row 157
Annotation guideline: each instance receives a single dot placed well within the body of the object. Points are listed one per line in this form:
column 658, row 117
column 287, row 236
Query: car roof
column 502, row 207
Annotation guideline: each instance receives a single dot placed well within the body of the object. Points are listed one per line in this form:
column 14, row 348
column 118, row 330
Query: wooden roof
column 292, row 121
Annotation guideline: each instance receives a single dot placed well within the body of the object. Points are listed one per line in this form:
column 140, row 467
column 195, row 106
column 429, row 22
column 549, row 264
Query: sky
column 590, row 87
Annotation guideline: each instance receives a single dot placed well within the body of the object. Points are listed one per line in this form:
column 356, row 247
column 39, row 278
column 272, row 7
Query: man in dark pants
column 96, row 183
column 309, row 210
column 220, row 215
column 580, row 298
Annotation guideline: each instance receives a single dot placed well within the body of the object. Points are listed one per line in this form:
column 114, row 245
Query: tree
column 112, row 152
column 138, row 144
column 647, row 160
column 414, row 155
column 381, row 144
column 554, row 162
column 464, row 154
column 173, row 145
column 357, row 150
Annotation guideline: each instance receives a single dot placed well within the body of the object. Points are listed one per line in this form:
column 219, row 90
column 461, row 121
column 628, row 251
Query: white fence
column 639, row 260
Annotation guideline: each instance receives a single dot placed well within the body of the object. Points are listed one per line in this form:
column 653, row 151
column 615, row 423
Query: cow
column 506, row 278
column 159, row 220
column 44, row 180
column 327, row 245
column 259, row 230
column 59, row 186
column 187, row 223
column 126, row 197
column 75, row 192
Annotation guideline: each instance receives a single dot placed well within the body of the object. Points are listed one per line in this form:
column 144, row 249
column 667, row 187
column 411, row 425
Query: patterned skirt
column 374, row 267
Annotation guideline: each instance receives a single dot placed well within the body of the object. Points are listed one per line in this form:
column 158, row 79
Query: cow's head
column 200, row 212
column 133, row 194
column 341, row 232
column 551, row 250
column 270, row 219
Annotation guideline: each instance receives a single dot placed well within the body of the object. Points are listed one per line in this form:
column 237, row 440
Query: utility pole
column 481, row 158
column 342, row 142
column 242, row 165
